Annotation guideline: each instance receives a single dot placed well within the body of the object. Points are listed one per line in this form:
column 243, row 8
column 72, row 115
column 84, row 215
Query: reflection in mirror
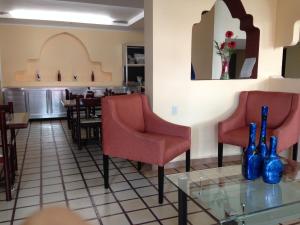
column 206, row 62
column 291, row 59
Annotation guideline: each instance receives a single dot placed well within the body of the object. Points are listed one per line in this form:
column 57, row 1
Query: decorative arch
column 67, row 53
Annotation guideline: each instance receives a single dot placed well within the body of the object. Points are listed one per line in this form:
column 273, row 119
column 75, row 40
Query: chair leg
column 161, row 172
column 13, row 138
column 106, row 169
column 188, row 161
column 68, row 118
column 78, row 136
column 139, row 166
column 220, row 154
column 295, row 151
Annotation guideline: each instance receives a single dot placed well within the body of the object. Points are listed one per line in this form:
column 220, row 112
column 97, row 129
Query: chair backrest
column 129, row 109
column 9, row 108
column 91, row 102
column 74, row 96
column 89, row 105
column 3, row 130
column 279, row 104
column 67, row 92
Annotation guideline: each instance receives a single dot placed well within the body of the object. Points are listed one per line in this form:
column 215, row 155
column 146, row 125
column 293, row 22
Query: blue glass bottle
column 262, row 145
column 272, row 166
column 251, row 165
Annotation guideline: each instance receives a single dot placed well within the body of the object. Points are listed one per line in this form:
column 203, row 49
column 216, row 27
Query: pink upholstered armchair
column 283, row 120
column 132, row 131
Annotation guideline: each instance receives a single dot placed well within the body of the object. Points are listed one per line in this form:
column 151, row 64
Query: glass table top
column 227, row 196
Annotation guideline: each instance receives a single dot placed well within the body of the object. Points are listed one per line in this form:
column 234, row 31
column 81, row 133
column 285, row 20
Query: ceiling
column 125, row 14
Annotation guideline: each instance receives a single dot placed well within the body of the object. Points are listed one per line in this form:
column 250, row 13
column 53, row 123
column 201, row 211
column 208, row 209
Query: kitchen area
column 45, row 102
column 36, row 74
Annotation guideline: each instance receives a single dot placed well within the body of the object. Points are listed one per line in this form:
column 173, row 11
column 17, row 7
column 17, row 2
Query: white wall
column 202, row 104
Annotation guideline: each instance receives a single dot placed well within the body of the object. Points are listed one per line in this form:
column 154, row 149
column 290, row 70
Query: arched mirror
column 225, row 43
column 290, row 63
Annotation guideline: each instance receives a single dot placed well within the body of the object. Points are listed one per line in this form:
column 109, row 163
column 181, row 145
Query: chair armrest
column 122, row 141
column 288, row 133
column 155, row 124
column 236, row 120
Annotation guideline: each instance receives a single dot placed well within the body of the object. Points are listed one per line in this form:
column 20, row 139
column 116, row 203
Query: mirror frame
column 238, row 11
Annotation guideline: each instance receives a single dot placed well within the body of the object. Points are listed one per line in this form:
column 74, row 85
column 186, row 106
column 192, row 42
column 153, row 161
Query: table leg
column 13, row 135
column 69, row 117
column 182, row 208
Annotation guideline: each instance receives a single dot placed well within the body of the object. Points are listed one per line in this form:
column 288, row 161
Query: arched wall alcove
column 66, row 53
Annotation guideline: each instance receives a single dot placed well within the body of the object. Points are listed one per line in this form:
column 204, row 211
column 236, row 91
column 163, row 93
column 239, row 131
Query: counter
column 45, row 102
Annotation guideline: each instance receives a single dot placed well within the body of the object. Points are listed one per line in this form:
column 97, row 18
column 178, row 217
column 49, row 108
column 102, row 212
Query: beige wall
column 27, row 49
column 203, row 33
column 201, row 104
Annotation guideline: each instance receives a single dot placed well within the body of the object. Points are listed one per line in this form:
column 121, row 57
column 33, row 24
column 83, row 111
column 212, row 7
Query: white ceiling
column 130, row 11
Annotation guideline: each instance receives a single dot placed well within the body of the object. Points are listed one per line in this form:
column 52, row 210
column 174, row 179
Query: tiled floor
column 53, row 172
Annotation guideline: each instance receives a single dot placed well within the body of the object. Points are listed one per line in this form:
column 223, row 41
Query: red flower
column 229, row 34
column 232, row 44
column 222, row 45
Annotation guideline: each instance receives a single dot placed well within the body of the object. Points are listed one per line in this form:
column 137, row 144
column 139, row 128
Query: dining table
column 15, row 121
column 68, row 103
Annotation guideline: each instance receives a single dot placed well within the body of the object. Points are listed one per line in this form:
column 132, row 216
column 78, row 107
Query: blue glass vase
column 251, row 165
column 262, row 145
column 272, row 166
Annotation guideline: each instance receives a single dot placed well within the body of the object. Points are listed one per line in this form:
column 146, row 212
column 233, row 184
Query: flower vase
column 225, row 68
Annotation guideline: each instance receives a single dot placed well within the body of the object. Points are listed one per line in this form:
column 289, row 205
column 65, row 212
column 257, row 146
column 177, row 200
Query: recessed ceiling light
column 61, row 16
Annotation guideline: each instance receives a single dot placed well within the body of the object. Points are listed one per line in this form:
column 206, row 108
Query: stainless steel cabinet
column 18, row 97
column 38, row 102
column 56, row 108
column 45, row 102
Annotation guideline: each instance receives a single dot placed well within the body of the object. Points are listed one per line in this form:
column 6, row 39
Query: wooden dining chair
column 73, row 114
column 91, row 121
column 67, row 94
column 6, row 156
column 9, row 108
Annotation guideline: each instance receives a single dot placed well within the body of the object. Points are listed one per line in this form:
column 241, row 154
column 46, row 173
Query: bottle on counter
column 93, row 76
column 58, row 76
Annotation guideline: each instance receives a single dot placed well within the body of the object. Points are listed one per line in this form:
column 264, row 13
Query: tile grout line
column 41, row 167
column 59, row 166
column 111, row 191
column 84, row 181
column 139, row 197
